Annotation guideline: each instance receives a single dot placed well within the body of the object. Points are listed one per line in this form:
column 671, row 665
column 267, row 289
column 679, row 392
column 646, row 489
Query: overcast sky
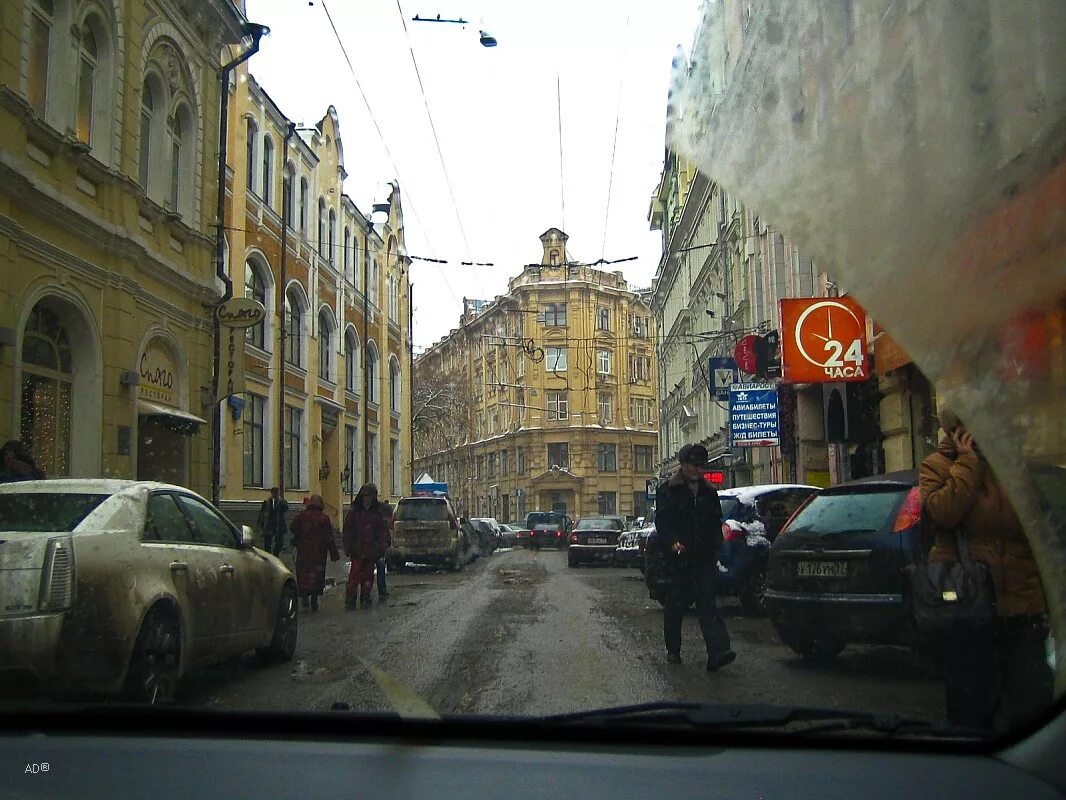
column 495, row 112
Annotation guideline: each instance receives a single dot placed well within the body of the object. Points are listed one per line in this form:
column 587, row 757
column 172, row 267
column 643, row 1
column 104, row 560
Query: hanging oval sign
column 240, row 312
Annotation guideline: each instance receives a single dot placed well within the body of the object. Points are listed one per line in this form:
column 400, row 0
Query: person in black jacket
column 688, row 524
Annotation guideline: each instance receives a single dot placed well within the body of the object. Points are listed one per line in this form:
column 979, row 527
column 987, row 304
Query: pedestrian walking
column 688, row 522
column 383, row 589
column 312, row 534
column 996, row 675
column 17, row 464
column 271, row 521
column 366, row 536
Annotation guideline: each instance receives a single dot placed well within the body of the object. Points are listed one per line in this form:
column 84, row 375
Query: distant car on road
column 487, row 534
column 548, row 534
column 426, row 531
column 631, row 547
column 113, row 586
column 594, row 539
column 535, row 518
column 508, row 535
column 835, row 574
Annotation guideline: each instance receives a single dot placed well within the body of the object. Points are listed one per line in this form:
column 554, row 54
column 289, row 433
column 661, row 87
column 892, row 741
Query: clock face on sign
column 825, row 340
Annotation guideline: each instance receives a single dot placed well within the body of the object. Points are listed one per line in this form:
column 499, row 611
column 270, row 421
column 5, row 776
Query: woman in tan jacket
column 997, row 676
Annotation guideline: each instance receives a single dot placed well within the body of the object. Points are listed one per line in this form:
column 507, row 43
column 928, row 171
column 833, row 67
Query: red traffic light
column 716, row 477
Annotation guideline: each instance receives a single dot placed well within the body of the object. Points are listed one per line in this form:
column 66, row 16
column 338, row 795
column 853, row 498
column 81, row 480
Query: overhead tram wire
column 559, row 114
column 385, row 146
column 614, row 143
column 436, row 141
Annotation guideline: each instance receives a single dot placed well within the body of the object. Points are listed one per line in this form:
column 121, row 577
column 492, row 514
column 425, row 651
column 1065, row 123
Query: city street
column 520, row 633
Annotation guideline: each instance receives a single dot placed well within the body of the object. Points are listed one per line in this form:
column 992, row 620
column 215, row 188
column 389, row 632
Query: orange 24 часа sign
column 823, row 340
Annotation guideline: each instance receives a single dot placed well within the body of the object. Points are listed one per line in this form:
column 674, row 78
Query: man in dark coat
column 271, row 521
column 688, row 523
column 313, row 536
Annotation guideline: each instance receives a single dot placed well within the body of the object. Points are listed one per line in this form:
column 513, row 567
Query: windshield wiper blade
column 719, row 717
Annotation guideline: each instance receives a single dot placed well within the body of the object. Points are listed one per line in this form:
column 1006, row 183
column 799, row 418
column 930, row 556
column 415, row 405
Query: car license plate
column 822, row 569
column 597, row 541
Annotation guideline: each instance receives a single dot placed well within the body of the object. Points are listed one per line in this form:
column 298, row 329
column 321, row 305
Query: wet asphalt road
column 521, row 633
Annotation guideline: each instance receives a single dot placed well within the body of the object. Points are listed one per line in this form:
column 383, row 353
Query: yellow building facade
column 108, row 140
column 327, row 375
column 559, row 412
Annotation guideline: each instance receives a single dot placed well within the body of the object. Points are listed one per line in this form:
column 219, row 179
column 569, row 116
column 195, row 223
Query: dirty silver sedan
column 115, row 587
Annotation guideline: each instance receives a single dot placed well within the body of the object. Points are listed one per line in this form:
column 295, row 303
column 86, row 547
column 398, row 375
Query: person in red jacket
column 312, row 534
column 366, row 538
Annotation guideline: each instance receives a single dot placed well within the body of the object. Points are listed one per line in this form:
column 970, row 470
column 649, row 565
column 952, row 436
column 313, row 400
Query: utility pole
column 288, row 214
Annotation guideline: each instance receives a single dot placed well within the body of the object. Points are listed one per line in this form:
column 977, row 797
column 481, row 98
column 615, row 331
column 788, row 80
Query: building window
column 555, row 358
column 303, row 206
column 87, row 66
column 478, row 464
column 642, row 458
column 255, row 289
column 294, row 420
column 607, row 457
column 605, row 404
column 41, row 22
column 603, row 319
column 347, row 253
column 505, row 467
column 332, row 253
column 325, row 346
column 520, row 461
column 603, row 362
column 254, row 440
column 351, row 460
column 491, row 458
column 268, row 171
column 559, row 455
column 641, row 327
column 555, row 315
column 395, row 385
column 368, row 267
column 287, row 200
column 47, row 385
column 374, row 457
column 294, row 329
column 372, row 377
column 553, row 258
column 558, row 405
column 607, row 503
column 520, row 365
column 639, row 368
column 394, row 298
column 351, row 362
column 252, row 154
column 148, row 116
column 372, row 290
column 394, row 466
column 321, row 246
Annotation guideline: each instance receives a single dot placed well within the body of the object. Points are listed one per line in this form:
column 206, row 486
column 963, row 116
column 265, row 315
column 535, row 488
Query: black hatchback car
column 835, row 575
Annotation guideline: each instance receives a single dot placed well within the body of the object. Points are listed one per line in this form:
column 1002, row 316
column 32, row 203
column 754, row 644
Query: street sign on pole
column 650, row 487
column 723, row 373
column 753, row 418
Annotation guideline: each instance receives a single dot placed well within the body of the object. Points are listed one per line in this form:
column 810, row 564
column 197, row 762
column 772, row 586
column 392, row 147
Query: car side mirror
column 247, row 536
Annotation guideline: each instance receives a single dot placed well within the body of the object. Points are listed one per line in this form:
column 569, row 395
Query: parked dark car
column 631, row 547
column 487, row 539
column 835, row 574
column 594, row 539
column 535, row 518
column 548, row 534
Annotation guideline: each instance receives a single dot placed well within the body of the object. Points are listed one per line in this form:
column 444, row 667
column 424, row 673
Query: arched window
column 373, row 391
column 372, row 289
column 303, row 206
column 395, row 385
column 351, row 361
column 325, row 345
column 288, row 204
column 347, row 253
column 321, row 226
column 181, row 146
column 255, row 287
column 268, row 171
column 332, row 252
column 88, row 58
column 294, row 328
column 42, row 22
column 252, row 155
column 151, row 108
column 47, row 388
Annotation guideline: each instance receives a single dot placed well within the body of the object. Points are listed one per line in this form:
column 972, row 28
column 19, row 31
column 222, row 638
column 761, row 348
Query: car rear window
column 598, row 524
column 422, row 511
column 44, row 512
column 850, row 512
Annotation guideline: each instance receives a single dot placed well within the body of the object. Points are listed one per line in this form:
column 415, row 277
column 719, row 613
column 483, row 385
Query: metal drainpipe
column 280, row 303
column 366, row 345
column 256, row 32
column 411, row 386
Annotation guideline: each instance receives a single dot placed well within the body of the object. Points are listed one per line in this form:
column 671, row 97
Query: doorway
column 161, row 453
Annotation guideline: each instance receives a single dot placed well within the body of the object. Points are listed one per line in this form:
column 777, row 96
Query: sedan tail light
column 910, row 512
column 573, row 538
column 57, row 577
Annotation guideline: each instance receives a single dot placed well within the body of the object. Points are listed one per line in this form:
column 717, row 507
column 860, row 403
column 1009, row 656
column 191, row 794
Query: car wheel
column 286, row 626
column 155, row 666
column 818, row 651
column 753, row 597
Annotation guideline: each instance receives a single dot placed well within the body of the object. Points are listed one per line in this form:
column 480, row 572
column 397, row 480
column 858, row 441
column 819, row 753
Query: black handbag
column 951, row 595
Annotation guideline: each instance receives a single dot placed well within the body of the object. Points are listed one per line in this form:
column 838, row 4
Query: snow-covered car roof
column 86, row 486
column 749, row 494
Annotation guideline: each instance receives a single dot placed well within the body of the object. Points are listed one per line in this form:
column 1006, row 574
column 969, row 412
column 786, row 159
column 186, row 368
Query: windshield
column 422, row 511
column 347, row 271
column 42, row 512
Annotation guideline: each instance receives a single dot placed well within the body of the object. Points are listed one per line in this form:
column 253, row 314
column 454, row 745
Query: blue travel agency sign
column 753, row 420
